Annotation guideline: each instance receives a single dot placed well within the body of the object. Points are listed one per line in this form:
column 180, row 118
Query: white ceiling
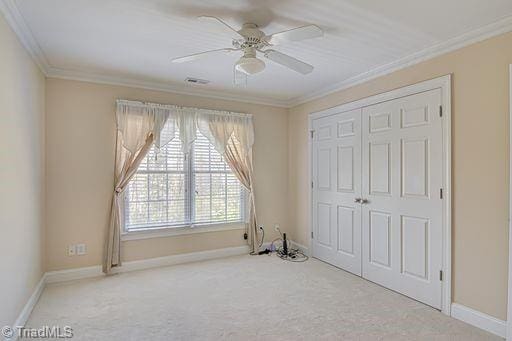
column 132, row 41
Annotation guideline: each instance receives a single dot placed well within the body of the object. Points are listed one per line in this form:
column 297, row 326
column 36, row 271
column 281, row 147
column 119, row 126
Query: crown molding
column 161, row 86
column 501, row 26
column 19, row 26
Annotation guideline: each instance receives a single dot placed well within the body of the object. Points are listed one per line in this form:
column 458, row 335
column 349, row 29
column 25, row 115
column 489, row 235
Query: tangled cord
column 294, row 254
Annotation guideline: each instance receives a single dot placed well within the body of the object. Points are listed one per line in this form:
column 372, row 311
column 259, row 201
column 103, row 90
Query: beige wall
column 80, row 162
column 480, row 164
column 21, row 175
column 79, row 147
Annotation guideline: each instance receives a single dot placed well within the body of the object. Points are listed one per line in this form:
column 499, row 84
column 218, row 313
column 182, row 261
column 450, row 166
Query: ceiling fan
column 252, row 41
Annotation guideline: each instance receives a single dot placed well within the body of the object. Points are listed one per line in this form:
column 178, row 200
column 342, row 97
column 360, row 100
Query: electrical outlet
column 71, row 250
column 81, row 249
column 276, row 227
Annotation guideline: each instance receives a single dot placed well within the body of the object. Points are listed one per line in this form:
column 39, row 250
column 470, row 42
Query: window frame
column 167, row 229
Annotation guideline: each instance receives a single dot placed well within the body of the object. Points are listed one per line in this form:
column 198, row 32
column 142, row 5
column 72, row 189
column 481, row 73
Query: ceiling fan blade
column 200, row 55
column 295, row 34
column 288, row 61
column 219, row 23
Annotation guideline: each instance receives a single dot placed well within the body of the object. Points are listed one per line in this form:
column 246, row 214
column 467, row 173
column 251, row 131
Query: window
column 174, row 190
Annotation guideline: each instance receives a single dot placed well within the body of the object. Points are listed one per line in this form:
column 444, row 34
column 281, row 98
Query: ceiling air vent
column 196, row 80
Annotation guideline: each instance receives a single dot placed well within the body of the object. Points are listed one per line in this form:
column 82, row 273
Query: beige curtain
column 126, row 166
column 241, row 165
column 138, row 127
column 233, row 137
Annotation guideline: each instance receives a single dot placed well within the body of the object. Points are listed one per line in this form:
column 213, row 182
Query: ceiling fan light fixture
column 250, row 65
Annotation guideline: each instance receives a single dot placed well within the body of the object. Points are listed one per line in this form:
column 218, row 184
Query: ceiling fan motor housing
column 253, row 37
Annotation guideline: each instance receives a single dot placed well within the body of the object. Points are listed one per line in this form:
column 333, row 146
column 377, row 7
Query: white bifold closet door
column 337, row 181
column 377, row 206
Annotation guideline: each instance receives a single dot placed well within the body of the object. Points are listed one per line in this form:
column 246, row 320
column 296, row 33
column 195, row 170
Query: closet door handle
column 358, row 200
column 364, row 201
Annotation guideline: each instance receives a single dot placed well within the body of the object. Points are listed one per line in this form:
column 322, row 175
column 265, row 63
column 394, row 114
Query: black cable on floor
column 294, row 254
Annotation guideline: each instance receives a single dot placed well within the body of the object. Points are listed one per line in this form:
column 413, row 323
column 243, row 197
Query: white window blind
column 171, row 190
column 217, row 192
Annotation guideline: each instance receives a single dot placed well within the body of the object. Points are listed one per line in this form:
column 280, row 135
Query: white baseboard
column 73, row 274
column 182, row 258
column 96, row 271
column 27, row 309
column 479, row 320
column 301, row 248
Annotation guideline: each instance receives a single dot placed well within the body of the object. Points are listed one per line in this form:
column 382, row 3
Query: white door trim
column 443, row 83
column 509, row 306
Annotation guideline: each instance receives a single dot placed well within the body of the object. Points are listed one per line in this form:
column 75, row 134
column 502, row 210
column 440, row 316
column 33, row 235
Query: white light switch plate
column 81, row 249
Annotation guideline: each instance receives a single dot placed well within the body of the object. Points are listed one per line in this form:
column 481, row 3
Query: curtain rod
column 173, row 106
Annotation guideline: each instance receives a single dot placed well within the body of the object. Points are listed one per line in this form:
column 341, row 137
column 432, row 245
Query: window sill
column 179, row 231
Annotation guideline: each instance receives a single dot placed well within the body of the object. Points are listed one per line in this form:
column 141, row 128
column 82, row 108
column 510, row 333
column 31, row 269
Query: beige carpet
column 242, row 298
